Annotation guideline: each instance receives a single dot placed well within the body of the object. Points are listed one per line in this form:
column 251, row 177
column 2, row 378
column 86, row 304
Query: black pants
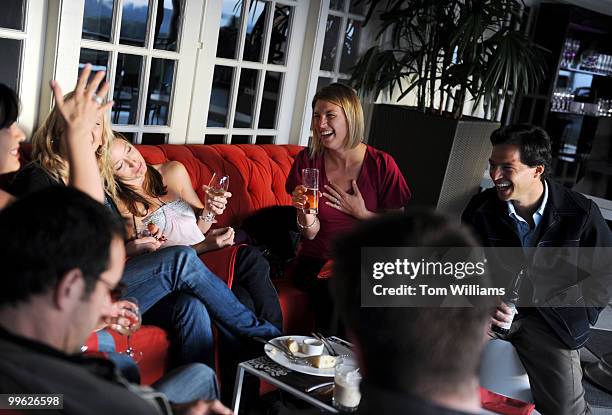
column 305, row 278
column 253, row 287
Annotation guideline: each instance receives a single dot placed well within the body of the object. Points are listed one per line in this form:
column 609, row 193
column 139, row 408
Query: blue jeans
column 188, row 383
column 186, row 320
column 202, row 296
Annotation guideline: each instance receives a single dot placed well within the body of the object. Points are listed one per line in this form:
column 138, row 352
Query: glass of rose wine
column 135, row 317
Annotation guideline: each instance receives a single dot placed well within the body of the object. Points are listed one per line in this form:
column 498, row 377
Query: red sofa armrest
column 221, row 262
column 152, row 341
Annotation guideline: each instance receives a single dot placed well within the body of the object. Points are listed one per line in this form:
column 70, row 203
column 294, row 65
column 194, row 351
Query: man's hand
column 122, row 319
column 201, row 407
column 502, row 315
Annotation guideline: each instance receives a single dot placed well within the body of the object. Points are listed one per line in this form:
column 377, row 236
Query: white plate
column 278, row 357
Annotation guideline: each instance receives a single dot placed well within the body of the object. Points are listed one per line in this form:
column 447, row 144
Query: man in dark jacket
column 62, row 258
column 527, row 211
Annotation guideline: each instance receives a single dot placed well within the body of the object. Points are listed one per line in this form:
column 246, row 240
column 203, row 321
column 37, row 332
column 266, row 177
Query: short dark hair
column 533, row 143
column 9, row 106
column 412, row 350
column 48, row 233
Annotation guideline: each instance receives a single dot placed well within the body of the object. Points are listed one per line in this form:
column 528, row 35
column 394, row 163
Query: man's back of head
column 423, row 352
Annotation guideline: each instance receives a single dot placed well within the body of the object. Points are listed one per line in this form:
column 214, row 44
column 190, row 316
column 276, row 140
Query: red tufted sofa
column 257, row 180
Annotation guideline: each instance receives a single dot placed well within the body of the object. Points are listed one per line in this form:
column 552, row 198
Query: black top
column 30, row 178
column 27, row 366
column 33, row 177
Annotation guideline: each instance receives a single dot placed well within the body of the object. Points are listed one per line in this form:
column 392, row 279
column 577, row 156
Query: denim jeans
column 153, row 276
column 188, row 383
column 189, row 326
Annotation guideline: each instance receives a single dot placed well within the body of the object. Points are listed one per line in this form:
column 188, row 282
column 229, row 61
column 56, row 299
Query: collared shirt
column 525, row 232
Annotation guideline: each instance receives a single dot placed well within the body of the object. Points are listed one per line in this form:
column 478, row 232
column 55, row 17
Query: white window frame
column 301, row 129
column 30, row 72
column 69, row 43
column 207, row 60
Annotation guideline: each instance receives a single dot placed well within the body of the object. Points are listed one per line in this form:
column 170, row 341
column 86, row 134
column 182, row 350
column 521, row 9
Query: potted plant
column 446, row 52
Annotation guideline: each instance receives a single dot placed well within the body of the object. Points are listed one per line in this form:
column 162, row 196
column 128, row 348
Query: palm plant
column 445, row 49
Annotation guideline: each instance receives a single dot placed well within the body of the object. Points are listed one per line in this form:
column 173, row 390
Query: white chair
column 501, row 371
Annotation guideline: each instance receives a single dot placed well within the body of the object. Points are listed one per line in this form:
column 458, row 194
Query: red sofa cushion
column 257, row 172
column 150, row 340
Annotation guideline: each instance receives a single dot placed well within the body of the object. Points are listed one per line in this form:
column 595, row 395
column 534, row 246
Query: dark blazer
column 569, row 220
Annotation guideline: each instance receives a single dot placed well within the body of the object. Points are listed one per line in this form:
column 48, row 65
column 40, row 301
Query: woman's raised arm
column 79, row 115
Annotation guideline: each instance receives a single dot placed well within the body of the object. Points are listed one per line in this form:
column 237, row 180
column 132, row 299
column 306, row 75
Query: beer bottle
column 510, row 299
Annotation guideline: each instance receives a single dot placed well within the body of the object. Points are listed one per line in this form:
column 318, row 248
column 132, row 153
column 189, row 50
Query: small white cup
column 312, row 347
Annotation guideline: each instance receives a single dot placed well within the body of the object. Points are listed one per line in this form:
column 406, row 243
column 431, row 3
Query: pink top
column 178, row 223
column 380, row 182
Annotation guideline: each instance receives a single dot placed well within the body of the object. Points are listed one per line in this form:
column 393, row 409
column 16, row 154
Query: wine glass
column 135, row 318
column 219, row 183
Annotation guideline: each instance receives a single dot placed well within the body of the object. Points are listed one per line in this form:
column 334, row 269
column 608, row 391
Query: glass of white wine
column 219, row 183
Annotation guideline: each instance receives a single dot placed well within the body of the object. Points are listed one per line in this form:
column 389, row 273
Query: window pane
column 220, row 96
column 154, row 138
column 128, row 135
column 357, row 7
column 97, row 58
column 168, row 24
column 336, row 4
column 241, row 139
column 323, row 82
column 10, row 62
column 214, row 139
column 12, row 14
column 256, row 25
column 280, row 34
column 246, row 98
column 351, row 46
column 127, row 88
column 269, row 101
column 229, row 28
column 264, row 139
column 134, row 22
column 330, row 45
column 98, row 20
column 161, row 80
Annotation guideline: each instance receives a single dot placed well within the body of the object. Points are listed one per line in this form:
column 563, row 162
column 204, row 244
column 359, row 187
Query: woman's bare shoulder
column 174, row 174
column 172, row 167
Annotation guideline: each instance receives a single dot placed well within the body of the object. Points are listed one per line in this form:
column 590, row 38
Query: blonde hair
column 346, row 98
column 46, row 149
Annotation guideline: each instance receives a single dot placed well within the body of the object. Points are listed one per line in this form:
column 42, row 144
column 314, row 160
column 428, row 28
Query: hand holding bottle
column 502, row 317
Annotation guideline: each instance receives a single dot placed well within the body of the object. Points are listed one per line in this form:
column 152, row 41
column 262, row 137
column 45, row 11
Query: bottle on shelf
column 511, row 300
column 562, row 100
